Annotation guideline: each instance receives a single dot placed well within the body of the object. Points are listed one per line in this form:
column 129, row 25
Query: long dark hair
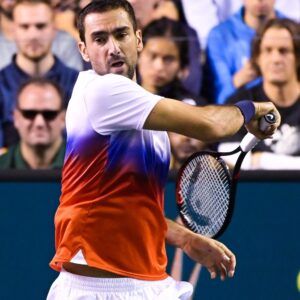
column 174, row 30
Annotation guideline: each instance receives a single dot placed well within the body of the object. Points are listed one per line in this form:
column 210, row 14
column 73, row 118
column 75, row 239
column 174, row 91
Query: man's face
column 34, row 30
column 159, row 63
column 183, row 147
column 259, row 8
column 36, row 130
column 277, row 60
column 7, row 7
column 111, row 45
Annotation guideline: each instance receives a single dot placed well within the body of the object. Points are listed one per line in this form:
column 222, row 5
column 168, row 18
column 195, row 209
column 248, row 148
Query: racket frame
column 232, row 179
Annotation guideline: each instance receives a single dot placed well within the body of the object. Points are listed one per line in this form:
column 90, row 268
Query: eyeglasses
column 48, row 115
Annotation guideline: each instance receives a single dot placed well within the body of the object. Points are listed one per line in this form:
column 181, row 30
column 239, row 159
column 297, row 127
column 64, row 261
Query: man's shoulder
column 6, row 71
column 60, row 66
column 105, row 81
column 7, row 158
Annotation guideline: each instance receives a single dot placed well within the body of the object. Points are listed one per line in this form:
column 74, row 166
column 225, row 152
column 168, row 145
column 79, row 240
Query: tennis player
column 110, row 225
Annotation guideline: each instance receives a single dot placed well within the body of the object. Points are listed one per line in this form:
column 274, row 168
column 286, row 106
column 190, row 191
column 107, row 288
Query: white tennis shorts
column 69, row 286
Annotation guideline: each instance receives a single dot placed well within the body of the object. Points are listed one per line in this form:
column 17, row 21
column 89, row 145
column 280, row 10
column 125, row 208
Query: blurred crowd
column 199, row 52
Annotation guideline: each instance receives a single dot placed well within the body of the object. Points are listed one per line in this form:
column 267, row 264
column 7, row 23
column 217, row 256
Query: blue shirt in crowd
column 228, row 47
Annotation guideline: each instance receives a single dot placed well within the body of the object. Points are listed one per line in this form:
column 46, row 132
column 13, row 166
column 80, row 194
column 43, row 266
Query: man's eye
column 100, row 40
column 40, row 26
column 122, row 35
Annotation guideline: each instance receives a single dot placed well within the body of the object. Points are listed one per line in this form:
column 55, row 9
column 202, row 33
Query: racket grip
column 250, row 140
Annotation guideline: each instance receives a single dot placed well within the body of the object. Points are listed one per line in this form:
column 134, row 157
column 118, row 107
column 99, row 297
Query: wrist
column 247, row 109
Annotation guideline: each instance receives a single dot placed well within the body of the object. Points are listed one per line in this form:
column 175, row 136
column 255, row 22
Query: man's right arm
column 208, row 123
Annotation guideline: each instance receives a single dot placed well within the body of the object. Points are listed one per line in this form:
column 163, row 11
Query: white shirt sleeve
column 116, row 103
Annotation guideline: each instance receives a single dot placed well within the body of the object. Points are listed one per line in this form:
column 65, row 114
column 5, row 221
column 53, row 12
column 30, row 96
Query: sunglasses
column 48, row 115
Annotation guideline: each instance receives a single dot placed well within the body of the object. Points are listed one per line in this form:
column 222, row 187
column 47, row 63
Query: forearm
column 177, row 234
column 207, row 123
column 215, row 256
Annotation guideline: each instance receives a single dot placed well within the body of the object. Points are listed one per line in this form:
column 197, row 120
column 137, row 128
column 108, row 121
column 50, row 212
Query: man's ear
column 83, row 51
column 139, row 41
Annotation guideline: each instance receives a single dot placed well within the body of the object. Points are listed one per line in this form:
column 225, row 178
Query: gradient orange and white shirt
column 111, row 205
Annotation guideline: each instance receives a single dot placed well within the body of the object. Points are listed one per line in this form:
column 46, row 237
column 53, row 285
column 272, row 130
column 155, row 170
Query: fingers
column 263, row 108
column 225, row 266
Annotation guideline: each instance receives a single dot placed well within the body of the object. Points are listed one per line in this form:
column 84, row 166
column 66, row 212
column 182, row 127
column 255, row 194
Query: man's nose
column 39, row 120
column 113, row 46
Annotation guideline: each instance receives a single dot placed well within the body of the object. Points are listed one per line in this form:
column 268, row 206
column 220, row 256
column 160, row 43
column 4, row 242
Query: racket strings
column 205, row 187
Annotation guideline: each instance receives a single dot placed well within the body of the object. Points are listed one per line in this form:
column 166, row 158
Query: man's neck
column 6, row 27
column 283, row 95
column 35, row 68
column 255, row 22
column 38, row 158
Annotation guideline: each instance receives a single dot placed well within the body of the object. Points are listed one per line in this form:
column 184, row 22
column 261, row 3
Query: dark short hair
column 41, row 81
column 281, row 23
column 174, row 30
column 101, row 6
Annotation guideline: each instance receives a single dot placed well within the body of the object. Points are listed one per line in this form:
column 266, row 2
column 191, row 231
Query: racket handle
column 250, row 140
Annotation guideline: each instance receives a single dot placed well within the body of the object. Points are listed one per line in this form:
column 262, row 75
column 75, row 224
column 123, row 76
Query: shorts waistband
column 109, row 284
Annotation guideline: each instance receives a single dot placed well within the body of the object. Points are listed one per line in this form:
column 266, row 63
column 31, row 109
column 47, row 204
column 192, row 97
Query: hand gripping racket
column 205, row 189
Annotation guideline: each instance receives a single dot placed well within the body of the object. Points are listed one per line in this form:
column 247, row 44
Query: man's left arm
column 212, row 254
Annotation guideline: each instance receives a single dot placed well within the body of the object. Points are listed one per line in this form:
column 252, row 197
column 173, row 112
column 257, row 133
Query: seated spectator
column 39, row 118
column 276, row 54
column 64, row 46
column 192, row 77
column 227, row 64
column 147, row 11
column 164, row 57
column 34, row 33
column 205, row 14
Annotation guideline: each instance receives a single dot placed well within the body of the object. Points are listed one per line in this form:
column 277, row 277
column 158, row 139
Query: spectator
column 205, row 14
column 64, row 45
column 164, row 57
column 147, row 11
column 276, row 53
column 34, row 33
column 39, row 118
column 228, row 50
column 192, row 77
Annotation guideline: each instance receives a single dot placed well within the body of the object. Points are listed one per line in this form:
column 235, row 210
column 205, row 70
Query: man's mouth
column 117, row 64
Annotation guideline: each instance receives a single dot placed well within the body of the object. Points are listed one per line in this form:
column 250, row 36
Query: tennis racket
column 205, row 188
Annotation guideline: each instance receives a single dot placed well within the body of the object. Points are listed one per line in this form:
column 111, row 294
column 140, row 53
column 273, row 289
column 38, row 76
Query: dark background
column 264, row 234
